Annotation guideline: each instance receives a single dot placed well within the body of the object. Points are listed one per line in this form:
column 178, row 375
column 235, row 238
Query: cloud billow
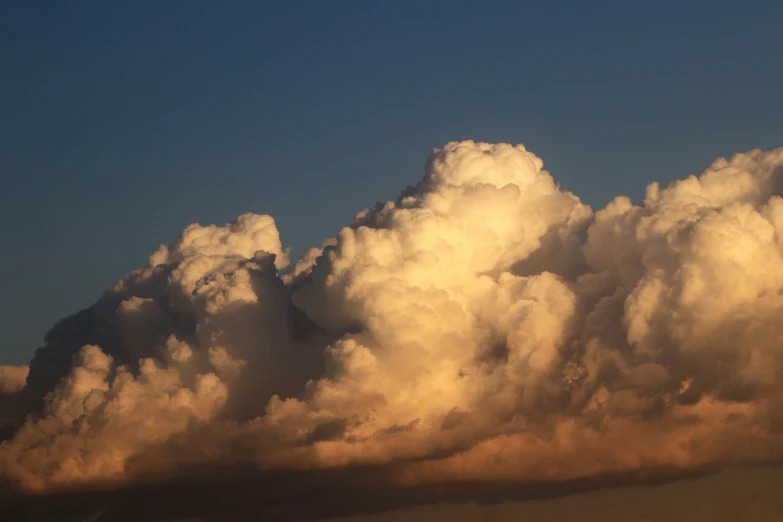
column 486, row 325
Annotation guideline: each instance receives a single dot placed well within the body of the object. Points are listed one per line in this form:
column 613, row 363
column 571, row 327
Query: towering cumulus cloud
column 486, row 325
column 12, row 380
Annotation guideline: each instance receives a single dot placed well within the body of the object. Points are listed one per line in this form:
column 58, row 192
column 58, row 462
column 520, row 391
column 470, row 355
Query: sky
column 122, row 123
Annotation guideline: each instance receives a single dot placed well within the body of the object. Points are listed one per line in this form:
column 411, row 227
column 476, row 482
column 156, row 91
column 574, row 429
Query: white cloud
column 486, row 317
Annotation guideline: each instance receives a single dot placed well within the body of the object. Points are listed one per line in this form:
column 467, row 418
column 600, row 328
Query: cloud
column 486, row 325
column 12, row 379
column 750, row 494
column 737, row 494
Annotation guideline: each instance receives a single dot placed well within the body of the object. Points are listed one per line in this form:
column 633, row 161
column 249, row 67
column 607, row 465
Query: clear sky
column 122, row 122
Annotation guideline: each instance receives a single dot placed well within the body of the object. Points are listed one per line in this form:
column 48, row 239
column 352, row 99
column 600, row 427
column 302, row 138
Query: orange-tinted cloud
column 486, row 326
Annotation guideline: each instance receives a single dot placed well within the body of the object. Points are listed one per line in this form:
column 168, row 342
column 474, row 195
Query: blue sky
column 121, row 124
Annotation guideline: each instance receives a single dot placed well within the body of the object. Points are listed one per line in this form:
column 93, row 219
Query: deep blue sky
column 121, row 124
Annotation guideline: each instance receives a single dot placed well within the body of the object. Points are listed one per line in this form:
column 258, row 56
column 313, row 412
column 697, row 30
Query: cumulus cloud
column 12, row 379
column 485, row 325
